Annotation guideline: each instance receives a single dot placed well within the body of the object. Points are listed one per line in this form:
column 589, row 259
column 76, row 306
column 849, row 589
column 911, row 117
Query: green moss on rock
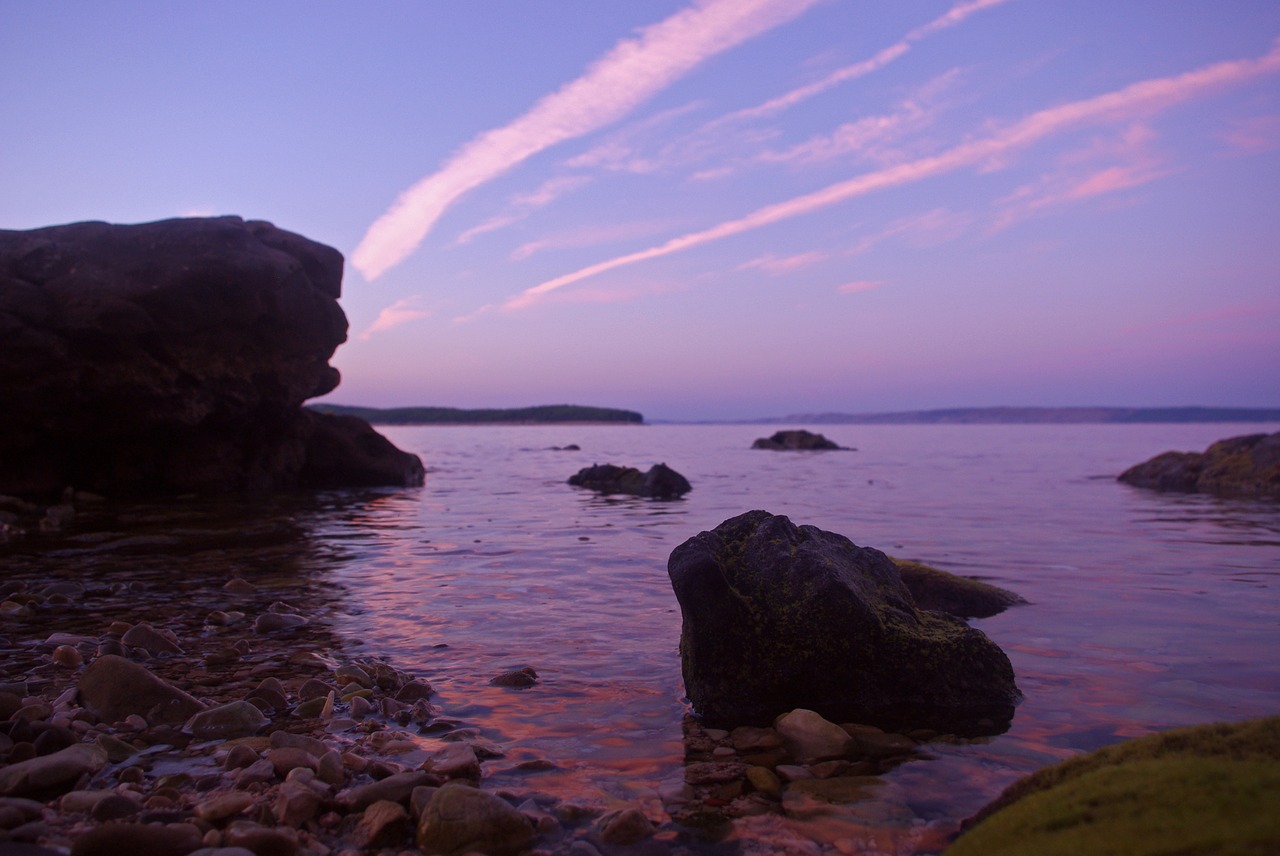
column 1208, row 789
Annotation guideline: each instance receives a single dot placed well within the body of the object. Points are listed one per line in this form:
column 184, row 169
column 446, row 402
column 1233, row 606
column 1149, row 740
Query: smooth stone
column 286, row 758
column 240, row 756
column 56, row 772
column 260, row 839
column 519, row 678
column 459, row 819
column 383, row 824
column 455, row 761
column 872, row 742
column 283, row 739
column 238, row 585
column 145, row 636
column 313, row 688
column 809, row 737
column 67, row 656
column 234, row 719
column 113, row 688
column 625, row 826
column 115, row 807
column 351, row 673
column 274, row 622
column 395, row 788
column 224, row 806
column 138, row 839
column 415, row 690
column 295, row 804
column 765, row 781
column 82, row 801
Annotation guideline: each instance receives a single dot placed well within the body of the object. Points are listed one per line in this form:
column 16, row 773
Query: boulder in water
column 779, row 617
column 660, row 482
column 795, row 441
column 1238, row 466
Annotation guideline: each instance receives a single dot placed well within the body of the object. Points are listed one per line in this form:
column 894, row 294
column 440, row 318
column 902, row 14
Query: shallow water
column 1147, row 610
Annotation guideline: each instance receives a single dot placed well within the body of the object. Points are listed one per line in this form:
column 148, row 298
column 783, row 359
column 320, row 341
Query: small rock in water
column 68, row 656
column 234, row 719
column 460, row 819
column 625, row 826
column 525, row 677
column 809, row 737
column 274, row 622
column 150, row 639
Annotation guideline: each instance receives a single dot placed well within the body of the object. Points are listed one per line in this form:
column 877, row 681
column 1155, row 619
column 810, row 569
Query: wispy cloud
column 1107, row 166
column 1131, row 103
column 859, row 286
column 523, row 204
column 869, row 135
column 772, row 264
column 956, row 14
column 629, row 74
column 931, row 228
column 587, row 237
column 401, row 312
column 1253, row 136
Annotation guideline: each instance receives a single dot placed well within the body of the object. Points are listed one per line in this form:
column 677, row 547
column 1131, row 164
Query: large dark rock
column 173, row 357
column 795, row 441
column 778, row 617
column 660, row 482
column 1238, row 466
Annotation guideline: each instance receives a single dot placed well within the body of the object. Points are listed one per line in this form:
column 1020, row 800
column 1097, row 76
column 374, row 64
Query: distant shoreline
column 572, row 414
column 551, row 414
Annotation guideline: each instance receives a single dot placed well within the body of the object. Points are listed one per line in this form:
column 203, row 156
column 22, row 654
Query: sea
column 1146, row 610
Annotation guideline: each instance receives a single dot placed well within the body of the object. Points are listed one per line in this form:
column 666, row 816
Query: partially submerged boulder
column 779, row 616
column 1238, row 466
column 660, row 482
column 1205, row 789
column 963, row 597
column 174, row 357
column 795, row 441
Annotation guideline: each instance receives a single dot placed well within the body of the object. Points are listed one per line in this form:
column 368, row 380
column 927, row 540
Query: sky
column 704, row 210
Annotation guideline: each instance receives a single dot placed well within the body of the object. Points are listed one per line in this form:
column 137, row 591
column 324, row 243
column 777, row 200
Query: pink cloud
column 398, row 313
column 627, row 76
column 774, row 265
column 858, row 286
column 955, row 15
column 1141, row 99
column 1253, row 136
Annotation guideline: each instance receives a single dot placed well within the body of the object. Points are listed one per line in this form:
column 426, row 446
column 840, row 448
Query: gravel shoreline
column 181, row 716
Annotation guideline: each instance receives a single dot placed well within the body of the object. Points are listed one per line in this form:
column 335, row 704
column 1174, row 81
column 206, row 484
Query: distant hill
column 550, row 413
column 1041, row 415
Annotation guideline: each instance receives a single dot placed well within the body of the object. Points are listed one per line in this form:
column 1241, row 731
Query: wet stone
column 234, row 719
column 383, row 824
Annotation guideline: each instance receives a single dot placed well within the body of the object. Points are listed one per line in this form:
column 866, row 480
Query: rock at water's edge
column 172, row 357
column 661, row 482
column 1238, row 466
column 793, row 441
column 778, row 617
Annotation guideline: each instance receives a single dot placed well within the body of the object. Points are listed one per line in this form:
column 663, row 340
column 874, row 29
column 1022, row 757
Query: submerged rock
column 174, row 357
column 793, row 441
column 778, row 617
column 460, row 819
column 963, row 597
column 115, row 688
column 1238, row 466
column 661, row 482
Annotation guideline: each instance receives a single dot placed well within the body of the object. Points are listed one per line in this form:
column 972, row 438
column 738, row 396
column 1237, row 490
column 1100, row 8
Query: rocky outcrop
column 1239, row 466
column 795, row 441
column 661, row 482
column 174, row 357
column 779, row 616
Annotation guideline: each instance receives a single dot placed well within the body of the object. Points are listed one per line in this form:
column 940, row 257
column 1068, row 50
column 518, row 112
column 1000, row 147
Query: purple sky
column 731, row 208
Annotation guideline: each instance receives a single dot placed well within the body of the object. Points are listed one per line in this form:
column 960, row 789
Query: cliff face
column 172, row 357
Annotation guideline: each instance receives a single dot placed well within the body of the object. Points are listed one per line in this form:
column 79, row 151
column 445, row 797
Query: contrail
column 630, row 73
column 1146, row 96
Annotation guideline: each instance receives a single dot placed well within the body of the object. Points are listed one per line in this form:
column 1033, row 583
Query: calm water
column 1148, row 611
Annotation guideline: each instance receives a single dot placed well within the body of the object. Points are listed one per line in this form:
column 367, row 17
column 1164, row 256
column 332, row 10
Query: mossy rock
column 1238, row 466
column 963, row 597
column 1208, row 789
column 778, row 617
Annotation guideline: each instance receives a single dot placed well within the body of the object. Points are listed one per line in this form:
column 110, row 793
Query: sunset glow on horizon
column 714, row 209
